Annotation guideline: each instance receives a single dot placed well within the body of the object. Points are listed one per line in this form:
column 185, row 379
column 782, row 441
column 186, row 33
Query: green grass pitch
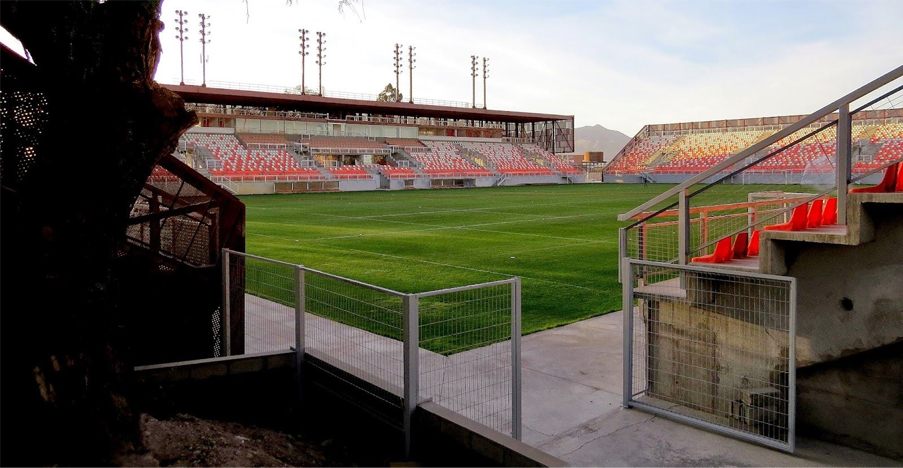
column 561, row 239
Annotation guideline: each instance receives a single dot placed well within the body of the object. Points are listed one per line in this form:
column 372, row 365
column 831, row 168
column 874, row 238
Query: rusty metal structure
column 177, row 228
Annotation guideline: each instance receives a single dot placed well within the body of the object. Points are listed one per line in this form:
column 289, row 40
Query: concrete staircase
column 402, row 155
column 849, row 322
column 476, row 159
column 849, row 278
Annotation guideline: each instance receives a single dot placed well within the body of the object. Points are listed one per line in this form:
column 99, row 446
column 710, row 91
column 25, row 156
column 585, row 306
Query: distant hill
column 599, row 138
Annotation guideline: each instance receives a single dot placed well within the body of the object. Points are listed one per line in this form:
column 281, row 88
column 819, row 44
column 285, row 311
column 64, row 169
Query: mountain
column 599, row 138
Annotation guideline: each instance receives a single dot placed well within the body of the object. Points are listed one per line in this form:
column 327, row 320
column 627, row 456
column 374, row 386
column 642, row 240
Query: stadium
column 441, row 283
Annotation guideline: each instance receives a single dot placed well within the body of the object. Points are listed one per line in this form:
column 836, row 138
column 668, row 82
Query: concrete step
column 860, row 229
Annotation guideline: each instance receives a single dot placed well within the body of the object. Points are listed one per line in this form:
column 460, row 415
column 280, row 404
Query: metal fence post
column 791, row 377
column 683, row 226
column 411, row 366
column 844, row 163
column 515, row 359
column 227, row 296
column 683, row 232
column 627, row 310
column 622, row 251
column 299, row 324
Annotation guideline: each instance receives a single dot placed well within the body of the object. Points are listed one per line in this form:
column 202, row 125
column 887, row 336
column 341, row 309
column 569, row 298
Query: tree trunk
column 103, row 125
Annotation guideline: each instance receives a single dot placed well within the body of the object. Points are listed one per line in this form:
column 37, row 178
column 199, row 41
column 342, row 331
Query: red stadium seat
column 740, row 246
column 899, row 184
column 797, row 220
column 721, row 254
column 753, row 249
column 887, row 184
column 815, row 214
column 829, row 215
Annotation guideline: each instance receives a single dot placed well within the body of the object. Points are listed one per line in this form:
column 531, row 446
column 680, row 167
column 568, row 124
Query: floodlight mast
column 411, row 67
column 205, row 39
column 304, row 53
column 182, row 36
column 321, row 58
column 485, row 75
column 398, row 66
column 473, row 75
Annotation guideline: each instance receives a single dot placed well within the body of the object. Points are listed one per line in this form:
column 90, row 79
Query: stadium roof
column 312, row 103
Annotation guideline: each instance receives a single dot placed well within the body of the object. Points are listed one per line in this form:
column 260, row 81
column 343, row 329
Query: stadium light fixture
column 473, row 75
column 304, row 53
column 485, row 75
column 398, row 67
column 411, row 67
column 182, row 36
column 321, row 57
column 205, row 39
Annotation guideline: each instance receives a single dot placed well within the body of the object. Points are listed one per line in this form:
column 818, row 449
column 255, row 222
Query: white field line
column 431, row 262
column 569, row 202
column 435, row 227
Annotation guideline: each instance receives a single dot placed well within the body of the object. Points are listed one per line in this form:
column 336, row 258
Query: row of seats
column 819, row 213
column 350, row 172
column 689, row 153
column 507, row 158
column 442, row 159
column 559, row 164
column 805, row 216
column 393, row 172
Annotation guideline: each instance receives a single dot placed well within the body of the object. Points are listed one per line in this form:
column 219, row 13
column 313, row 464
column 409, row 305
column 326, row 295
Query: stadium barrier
column 457, row 347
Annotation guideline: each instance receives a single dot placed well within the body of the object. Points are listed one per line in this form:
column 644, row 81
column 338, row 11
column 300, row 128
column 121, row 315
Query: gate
column 712, row 348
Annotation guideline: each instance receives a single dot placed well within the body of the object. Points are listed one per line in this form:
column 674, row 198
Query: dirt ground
column 186, row 440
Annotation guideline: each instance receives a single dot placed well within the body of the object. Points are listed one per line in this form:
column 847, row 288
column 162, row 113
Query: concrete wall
column 442, row 431
column 523, row 180
column 264, row 388
column 715, row 363
column 850, row 297
column 855, row 401
column 358, row 185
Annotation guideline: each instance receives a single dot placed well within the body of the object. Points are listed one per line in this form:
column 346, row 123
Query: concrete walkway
column 571, row 393
column 572, row 409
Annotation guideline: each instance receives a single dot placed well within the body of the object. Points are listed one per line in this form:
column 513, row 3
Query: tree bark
column 64, row 344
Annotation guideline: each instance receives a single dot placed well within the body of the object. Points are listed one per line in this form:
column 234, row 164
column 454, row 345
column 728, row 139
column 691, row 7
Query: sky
column 619, row 63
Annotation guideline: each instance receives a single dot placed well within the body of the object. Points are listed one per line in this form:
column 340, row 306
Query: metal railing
column 715, row 346
column 459, row 347
column 712, row 348
column 823, row 139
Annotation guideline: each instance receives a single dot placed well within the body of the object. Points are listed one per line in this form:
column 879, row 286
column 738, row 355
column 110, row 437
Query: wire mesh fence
column 458, row 347
column 466, row 357
column 268, row 290
column 712, row 348
column 355, row 328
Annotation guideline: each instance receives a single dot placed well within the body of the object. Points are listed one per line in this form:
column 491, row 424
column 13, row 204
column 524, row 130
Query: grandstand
column 673, row 152
column 254, row 142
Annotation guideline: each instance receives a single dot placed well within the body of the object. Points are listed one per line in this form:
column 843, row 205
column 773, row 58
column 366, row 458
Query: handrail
column 764, row 143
